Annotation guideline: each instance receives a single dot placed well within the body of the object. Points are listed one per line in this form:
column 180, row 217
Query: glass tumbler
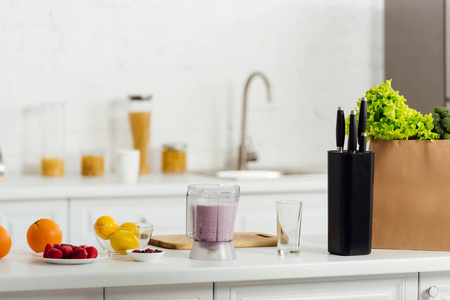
column 289, row 226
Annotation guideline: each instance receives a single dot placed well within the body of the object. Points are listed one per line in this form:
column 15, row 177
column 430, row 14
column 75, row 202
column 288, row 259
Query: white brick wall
column 194, row 57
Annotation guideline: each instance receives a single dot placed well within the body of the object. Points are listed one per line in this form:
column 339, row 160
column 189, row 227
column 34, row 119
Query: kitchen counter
column 19, row 271
column 38, row 187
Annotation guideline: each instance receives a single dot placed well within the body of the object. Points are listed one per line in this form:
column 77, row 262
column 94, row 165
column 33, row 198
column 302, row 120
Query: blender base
column 212, row 251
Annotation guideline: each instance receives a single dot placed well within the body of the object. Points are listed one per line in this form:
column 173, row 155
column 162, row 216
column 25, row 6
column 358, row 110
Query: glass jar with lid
column 140, row 116
column 173, row 158
column 53, row 133
column 92, row 162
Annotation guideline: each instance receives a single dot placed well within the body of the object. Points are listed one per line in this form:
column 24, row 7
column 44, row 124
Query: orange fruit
column 105, row 226
column 5, row 242
column 43, row 232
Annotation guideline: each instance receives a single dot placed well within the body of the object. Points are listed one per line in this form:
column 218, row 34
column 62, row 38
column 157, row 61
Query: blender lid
column 214, row 190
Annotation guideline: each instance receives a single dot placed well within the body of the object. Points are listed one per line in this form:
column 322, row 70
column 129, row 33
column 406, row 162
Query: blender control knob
column 433, row 291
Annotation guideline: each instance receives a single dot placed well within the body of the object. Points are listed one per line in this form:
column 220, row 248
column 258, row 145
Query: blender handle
column 190, row 216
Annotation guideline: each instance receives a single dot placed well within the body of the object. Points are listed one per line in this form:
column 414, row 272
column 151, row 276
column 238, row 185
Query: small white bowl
column 145, row 256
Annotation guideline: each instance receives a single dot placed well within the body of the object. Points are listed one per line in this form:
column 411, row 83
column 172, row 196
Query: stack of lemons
column 121, row 238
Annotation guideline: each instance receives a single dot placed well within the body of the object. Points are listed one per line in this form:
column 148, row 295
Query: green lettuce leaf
column 390, row 118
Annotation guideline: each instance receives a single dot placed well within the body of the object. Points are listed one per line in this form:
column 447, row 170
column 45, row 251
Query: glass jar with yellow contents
column 173, row 158
column 140, row 116
column 52, row 166
column 92, row 163
column 53, row 133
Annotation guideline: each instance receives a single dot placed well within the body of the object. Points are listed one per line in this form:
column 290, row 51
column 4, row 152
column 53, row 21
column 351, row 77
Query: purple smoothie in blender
column 215, row 223
column 210, row 214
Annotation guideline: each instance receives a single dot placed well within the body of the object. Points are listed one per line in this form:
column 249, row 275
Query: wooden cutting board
column 240, row 240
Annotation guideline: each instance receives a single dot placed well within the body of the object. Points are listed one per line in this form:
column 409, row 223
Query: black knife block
column 350, row 194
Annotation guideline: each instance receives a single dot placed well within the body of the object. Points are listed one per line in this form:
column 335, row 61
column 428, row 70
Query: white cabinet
column 203, row 291
column 257, row 213
column 355, row 288
column 73, row 294
column 434, row 285
column 166, row 213
column 17, row 216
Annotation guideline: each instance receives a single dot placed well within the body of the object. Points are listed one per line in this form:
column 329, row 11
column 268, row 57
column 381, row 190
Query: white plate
column 63, row 261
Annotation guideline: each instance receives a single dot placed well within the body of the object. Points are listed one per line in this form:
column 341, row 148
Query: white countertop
column 20, row 271
column 38, row 187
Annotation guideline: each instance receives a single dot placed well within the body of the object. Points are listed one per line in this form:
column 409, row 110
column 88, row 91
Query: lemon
column 105, row 226
column 131, row 227
column 123, row 240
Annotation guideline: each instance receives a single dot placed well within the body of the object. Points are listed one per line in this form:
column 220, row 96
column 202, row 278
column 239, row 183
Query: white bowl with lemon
column 117, row 237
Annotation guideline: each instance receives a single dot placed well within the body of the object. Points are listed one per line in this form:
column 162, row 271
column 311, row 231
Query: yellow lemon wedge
column 105, row 226
column 131, row 227
column 123, row 240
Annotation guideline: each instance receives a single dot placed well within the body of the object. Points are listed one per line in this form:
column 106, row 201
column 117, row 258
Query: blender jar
column 210, row 215
column 52, row 120
column 139, row 116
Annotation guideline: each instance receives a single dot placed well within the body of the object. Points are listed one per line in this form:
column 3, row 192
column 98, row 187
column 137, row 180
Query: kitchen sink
column 250, row 174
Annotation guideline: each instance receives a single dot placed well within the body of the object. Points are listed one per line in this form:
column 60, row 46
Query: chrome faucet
column 247, row 154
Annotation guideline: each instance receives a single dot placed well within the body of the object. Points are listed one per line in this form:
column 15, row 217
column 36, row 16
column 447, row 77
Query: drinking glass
column 289, row 226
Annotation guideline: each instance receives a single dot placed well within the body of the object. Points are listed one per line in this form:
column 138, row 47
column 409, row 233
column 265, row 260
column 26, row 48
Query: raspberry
column 148, row 250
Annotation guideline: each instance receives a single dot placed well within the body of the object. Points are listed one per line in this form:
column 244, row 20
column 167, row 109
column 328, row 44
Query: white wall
column 194, row 57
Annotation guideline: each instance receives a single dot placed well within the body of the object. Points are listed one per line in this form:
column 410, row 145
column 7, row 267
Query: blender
column 210, row 214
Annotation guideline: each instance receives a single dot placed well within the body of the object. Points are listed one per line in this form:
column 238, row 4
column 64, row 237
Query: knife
column 362, row 142
column 340, row 129
column 352, row 133
column 362, row 121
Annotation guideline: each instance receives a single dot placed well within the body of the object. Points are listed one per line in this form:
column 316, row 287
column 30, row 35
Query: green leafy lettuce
column 389, row 118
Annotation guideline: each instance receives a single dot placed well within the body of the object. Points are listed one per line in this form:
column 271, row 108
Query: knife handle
column 340, row 130
column 362, row 121
column 362, row 142
column 352, row 133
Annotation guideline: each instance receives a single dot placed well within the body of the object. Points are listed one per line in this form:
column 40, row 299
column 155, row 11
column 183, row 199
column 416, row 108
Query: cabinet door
column 434, row 285
column 72, row 294
column 167, row 214
column 353, row 288
column 257, row 213
column 17, row 216
column 201, row 291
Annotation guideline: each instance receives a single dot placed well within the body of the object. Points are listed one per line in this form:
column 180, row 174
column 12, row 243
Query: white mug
column 127, row 165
